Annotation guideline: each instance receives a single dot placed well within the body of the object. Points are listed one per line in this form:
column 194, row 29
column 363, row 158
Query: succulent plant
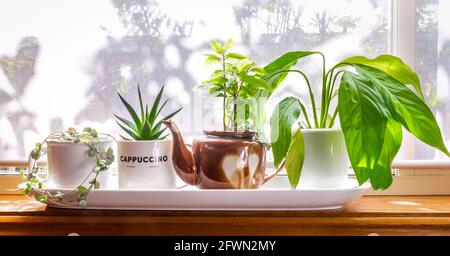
column 145, row 127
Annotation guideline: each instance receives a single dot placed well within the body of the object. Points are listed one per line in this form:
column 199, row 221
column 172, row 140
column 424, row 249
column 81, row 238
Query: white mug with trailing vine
column 69, row 165
column 145, row 164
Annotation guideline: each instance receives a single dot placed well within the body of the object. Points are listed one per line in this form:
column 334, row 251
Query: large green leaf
column 391, row 65
column 381, row 177
column 363, row 118
column 285, row 62
column 283, row 117
column 295, row 157
column 407, row 108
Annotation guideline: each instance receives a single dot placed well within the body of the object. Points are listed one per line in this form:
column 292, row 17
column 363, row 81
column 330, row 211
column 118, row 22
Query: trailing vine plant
column 34, row 185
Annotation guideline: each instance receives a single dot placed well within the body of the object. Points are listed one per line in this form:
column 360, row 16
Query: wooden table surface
column 371, row 215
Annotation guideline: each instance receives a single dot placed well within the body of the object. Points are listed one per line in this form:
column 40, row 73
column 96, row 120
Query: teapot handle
column 277, row 170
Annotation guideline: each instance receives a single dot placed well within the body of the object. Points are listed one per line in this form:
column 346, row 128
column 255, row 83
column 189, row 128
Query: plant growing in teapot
column 144, row 152
column 373, row 103
column 235, row 157
column 239, row 82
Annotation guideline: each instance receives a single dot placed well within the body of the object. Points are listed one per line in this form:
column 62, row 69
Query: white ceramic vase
column 326, row 162
column 145, row 165
column 69, row 164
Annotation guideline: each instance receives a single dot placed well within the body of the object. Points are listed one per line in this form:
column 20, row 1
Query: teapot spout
column 182, row 157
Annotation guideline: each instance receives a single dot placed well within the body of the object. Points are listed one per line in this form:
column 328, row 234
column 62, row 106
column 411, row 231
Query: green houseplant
column 239, row 82
column 373, row 103
column 144, row 154
column 75, row 160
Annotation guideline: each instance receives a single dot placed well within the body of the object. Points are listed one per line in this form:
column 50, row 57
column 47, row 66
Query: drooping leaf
column 391, row 65
column 381, row 177
column 283, row 117
column 295, row 157
column 363, row 116
column 285, row 62
column 407, row 108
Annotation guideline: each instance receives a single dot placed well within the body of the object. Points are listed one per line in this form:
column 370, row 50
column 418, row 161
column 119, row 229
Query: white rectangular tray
column 269, row 197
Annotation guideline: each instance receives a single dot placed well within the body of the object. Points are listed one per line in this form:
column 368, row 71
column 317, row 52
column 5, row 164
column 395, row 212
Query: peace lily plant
column 373, row 103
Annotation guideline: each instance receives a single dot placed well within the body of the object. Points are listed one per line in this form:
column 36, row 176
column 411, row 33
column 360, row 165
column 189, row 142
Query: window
column 432, row 63
column 62, row 62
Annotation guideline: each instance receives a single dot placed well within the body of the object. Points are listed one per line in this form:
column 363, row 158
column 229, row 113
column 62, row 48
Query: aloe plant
column 374, row 102
column 146, row 126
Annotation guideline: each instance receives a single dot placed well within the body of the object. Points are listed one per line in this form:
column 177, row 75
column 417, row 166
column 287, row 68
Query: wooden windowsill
column 371, row 215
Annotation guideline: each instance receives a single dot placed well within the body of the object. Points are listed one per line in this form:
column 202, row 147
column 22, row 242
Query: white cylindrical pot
column 145, row 165
column 69, row 164
column 326, row 162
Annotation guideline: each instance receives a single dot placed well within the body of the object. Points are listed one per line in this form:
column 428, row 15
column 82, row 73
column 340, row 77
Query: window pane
column 433, row 66
column 63, row 61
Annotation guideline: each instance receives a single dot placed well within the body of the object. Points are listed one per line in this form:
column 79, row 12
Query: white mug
column 145, row 165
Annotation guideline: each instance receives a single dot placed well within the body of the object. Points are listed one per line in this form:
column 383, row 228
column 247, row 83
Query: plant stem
column 224, row 95
column 311, row 93
column 324, row 90
column 333, row 118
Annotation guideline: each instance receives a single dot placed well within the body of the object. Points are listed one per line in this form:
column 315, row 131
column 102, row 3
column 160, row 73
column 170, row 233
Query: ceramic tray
column 273, row 196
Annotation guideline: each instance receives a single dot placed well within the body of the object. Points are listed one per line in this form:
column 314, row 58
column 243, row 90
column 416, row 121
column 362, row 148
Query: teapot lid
column 231, row 134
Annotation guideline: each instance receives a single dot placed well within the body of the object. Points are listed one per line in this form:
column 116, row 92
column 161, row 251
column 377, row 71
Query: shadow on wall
column 19, row 70
column 138, row 58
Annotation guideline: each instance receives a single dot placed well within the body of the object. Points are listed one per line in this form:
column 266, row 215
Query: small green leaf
column 82, row 189
column 236, row 56
column 295, row 157
column 228, row 44
column 212, row 59
column 216, row 46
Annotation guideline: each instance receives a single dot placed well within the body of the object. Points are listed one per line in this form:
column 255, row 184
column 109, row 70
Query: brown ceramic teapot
column 220, row 159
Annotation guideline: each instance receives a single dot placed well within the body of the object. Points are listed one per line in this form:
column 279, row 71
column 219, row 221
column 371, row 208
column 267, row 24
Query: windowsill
column 370, row 215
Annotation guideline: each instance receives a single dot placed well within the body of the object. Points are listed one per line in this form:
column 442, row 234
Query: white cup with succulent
column 145, row 155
